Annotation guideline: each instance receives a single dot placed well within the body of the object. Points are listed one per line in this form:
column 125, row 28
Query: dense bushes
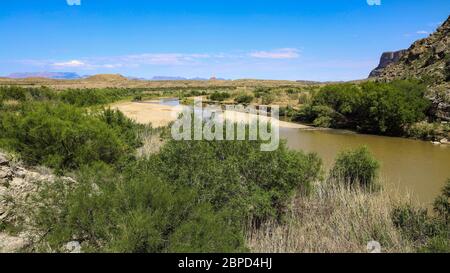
column 442, row 203
column 65, row 137
column 20, row 94
column 429, row 233
column 429, row 131
column 193, row 196
column 90, row 97
column 244, row 99
column 133, row 212
column 237, row 175
column 77, row 97
column 261, row 91
column 219, row 96
column 356, row 168
column 267, row 99
column 378, row 108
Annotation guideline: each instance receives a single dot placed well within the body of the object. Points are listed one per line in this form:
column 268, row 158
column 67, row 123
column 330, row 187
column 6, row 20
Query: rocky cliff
column 427, row 59
column 386, row 59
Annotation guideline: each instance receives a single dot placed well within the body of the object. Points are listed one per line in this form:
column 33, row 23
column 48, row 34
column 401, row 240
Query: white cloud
column 162, row 59
column 72, row 63
column 422, row 32
column 73, row 2
column 283, row 53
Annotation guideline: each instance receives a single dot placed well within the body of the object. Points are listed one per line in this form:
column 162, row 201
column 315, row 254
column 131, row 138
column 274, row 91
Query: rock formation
column 427, row 59
column 387, row 58
column 17, row 186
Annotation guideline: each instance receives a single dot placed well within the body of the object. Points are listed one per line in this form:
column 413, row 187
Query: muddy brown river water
column 407, row 166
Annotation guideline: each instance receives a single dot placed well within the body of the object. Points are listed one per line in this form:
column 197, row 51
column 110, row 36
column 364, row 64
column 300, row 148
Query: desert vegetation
column 197, row 196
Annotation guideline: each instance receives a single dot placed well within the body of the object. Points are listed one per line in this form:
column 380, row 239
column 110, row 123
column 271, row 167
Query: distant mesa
column 47, row 75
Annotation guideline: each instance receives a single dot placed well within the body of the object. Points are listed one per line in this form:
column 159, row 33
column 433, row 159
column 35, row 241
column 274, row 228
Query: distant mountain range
column 48, row 75
column 74, row 76
column 171, row 78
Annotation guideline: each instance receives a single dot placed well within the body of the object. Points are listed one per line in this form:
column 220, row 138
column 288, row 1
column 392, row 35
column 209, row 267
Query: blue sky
column 282, row 39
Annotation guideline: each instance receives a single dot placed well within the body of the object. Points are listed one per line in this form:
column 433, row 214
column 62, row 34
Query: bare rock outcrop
column 387, row 58
column 17, row 186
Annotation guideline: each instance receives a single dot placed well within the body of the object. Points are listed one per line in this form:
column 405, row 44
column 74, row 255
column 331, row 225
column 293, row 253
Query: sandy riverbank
column 161, row 115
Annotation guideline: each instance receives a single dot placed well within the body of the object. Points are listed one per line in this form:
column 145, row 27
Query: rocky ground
column 17, row 186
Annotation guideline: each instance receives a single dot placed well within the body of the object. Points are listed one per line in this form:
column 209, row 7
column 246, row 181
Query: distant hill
column 107, row 78
column 47, row 75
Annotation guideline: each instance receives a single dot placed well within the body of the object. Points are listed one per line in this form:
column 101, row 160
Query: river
column 408, row 166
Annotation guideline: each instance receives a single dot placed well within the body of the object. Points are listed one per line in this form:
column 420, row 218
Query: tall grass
column 334, row 219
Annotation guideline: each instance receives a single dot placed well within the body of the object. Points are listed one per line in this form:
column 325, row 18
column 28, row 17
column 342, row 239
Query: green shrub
column 196, row 93
column 429, row 233
column 26, row 94
column 261, row 91
column 303, row 98
column 356, row 167
column 426, row 131
column 131, row 212
column 323, row 121
column 244, row 99
column 91, row 97
column 414, row 223
column 287, row 112
column 442, row 203
column 268, row 99
column 61, row 136
column 320, row 116
column 219, row 96
column 137, row 98
column 124, row 127
column 237, row 175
